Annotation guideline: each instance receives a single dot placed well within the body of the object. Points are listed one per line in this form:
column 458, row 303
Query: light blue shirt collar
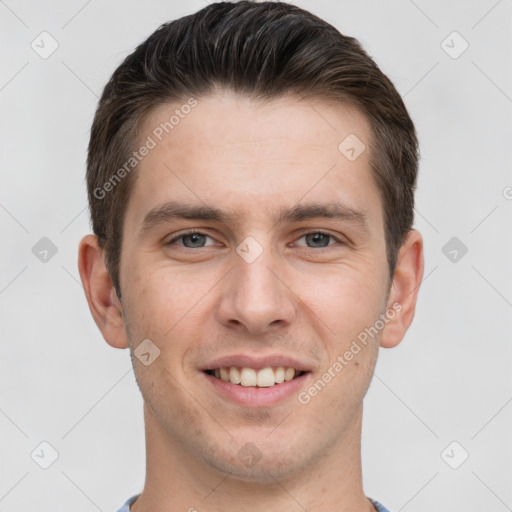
column 126, row 506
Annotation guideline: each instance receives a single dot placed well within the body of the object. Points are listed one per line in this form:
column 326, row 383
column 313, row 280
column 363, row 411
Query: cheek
column 348, row 299
column 161, row 313
column 158, row 300
column 348, row 305
column 168, row 307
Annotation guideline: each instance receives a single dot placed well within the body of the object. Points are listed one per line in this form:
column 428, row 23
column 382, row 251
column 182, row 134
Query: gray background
column 448, row 381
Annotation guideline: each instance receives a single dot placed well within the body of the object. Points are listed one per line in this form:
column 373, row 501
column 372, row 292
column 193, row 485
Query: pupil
column 196, row 238
column 317, row 238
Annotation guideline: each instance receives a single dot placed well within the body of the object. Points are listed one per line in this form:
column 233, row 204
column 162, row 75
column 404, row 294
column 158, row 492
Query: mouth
column 256, row 378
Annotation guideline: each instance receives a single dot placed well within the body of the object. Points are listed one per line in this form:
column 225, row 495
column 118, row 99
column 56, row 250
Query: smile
column 250, row 377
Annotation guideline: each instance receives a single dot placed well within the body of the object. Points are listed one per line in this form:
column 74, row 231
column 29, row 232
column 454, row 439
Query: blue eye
column 197, row 240
column 318, row 238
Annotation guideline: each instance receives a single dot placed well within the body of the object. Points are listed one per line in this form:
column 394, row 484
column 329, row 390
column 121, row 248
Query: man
column 251, row 177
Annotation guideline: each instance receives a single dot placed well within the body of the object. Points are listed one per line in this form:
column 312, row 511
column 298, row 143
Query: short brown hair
column 259, row 49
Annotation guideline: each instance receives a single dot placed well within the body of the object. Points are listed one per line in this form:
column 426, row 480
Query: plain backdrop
column 438, row 415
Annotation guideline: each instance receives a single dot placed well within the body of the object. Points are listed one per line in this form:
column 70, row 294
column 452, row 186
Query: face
column 252, row 242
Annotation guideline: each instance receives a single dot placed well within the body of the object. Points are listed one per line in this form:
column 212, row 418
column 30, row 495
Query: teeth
column 234, row 375
column 250, row 377
column 289, row 374
column 266, row 378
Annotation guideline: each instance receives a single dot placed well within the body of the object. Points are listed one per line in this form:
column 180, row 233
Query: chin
column 266, row 471
column 260, row 461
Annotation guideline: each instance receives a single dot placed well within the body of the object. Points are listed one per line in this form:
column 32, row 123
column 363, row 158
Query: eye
column 198, row 240
column 318, row 239
column 191, row 240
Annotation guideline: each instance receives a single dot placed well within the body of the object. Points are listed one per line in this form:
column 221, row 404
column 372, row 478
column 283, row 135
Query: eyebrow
column 173, row 210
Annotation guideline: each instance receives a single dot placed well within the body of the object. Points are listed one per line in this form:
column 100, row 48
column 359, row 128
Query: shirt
column 126, row 506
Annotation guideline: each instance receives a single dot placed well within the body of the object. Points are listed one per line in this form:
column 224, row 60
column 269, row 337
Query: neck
column 175, row 481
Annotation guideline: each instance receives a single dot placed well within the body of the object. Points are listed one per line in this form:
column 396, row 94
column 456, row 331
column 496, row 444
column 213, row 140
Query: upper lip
column 257, row 362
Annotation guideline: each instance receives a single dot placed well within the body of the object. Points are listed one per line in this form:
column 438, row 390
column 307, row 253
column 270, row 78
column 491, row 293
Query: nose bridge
column 255, row 296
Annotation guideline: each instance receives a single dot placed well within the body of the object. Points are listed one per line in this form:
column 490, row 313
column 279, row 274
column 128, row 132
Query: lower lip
column 257, row 397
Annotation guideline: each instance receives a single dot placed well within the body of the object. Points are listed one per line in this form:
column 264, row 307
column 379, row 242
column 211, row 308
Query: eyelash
column 316, row 249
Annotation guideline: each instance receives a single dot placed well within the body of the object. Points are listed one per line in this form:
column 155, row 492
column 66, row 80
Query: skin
column 297, row 298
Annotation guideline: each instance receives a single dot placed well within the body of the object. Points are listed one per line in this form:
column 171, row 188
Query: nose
column 256, row 295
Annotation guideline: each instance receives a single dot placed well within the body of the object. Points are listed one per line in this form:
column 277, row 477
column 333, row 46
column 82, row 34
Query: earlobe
column 404, row 289
column 101, row 296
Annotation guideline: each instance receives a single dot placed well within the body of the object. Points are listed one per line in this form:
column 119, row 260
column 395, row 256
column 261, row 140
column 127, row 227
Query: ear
column 404, row 289
column 104, row 304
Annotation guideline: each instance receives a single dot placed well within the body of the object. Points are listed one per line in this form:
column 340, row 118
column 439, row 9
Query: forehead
column 237, row 150
column 228, row 118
